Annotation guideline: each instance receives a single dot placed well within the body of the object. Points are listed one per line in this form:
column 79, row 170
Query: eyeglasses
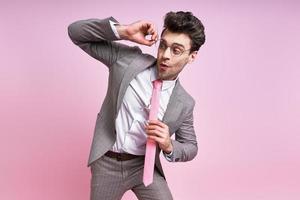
column 175, row 49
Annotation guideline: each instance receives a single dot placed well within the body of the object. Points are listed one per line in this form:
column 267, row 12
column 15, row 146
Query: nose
column 167, row 53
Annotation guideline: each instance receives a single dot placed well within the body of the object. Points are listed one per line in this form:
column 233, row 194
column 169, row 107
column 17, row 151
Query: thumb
column 148, row 42
column 141, row 39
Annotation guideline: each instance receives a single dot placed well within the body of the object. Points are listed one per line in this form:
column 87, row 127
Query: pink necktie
column 151, row 144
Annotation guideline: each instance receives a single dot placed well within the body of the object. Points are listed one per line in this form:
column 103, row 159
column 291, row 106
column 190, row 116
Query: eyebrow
column 174, row 43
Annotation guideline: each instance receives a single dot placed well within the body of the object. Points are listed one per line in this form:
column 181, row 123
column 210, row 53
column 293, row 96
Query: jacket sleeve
column 96, row 38
column 185, row 146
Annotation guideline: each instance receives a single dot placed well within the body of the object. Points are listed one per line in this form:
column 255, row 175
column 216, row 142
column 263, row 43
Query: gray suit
column 124, row 62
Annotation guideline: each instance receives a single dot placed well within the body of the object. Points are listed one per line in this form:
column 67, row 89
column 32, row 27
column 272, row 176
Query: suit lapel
column 174, row 108
column 135, row 67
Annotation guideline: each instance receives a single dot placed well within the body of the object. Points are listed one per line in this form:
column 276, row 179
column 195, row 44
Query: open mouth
column 163, row 67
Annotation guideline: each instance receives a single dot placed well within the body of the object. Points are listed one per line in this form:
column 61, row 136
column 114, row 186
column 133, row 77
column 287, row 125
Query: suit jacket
column 124, row 62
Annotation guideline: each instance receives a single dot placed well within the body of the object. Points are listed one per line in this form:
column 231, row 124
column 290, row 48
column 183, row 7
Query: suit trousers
column 112, row 178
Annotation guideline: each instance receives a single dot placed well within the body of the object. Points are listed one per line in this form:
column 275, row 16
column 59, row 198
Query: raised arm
column 97, row 38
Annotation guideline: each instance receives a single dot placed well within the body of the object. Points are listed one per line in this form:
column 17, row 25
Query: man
column 122, row 127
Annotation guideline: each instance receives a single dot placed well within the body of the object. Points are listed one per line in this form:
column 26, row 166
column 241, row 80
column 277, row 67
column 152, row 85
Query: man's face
column 173, row 54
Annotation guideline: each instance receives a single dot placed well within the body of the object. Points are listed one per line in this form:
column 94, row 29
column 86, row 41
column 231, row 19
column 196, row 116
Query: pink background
column 245, row 82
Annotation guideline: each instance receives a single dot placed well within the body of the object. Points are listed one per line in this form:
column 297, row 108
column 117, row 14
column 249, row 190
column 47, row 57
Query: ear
column 192, row 56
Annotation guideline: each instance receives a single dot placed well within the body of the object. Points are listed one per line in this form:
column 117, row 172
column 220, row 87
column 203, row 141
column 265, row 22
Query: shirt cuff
column 114, row 29
column 168, row 156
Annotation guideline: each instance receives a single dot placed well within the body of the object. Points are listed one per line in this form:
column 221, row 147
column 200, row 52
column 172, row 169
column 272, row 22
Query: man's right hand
column 137, row 32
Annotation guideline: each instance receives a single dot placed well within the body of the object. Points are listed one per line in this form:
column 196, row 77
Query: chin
column 163, row 76
column 159, row 76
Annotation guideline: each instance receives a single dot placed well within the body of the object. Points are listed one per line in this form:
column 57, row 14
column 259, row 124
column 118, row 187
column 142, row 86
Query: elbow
column 193, row 152
column 70, row 30
column 184, row 152
column 189, row 152
column 73, row 30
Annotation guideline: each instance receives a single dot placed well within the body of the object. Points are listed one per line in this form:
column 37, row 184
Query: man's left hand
column 159, row 132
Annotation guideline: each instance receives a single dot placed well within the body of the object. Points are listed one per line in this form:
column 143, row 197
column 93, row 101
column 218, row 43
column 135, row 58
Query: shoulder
column 143, row 59
column 185, row 97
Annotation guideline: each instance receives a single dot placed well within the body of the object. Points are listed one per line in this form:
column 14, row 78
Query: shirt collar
column 166, row 84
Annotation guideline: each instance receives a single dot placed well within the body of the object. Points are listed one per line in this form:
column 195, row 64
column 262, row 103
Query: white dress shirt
column 134, row 110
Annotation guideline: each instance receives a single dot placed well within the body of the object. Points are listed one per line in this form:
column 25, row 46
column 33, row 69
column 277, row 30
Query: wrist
column 122, row 31
column 169, row 149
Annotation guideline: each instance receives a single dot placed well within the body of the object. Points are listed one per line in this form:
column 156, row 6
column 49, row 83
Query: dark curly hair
column 185, row 22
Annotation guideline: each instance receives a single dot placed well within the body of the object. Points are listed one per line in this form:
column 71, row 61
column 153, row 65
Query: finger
column 155, row 127
column 156, row 139
column 146, row 27
column 152, row 123
column 149, row 125
column 155, row 133
column 144, row 41
column 154, row 36
column 150, row 43
column 150, row 30
column 157, row 122
column 153, row 32
column 152, row 132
